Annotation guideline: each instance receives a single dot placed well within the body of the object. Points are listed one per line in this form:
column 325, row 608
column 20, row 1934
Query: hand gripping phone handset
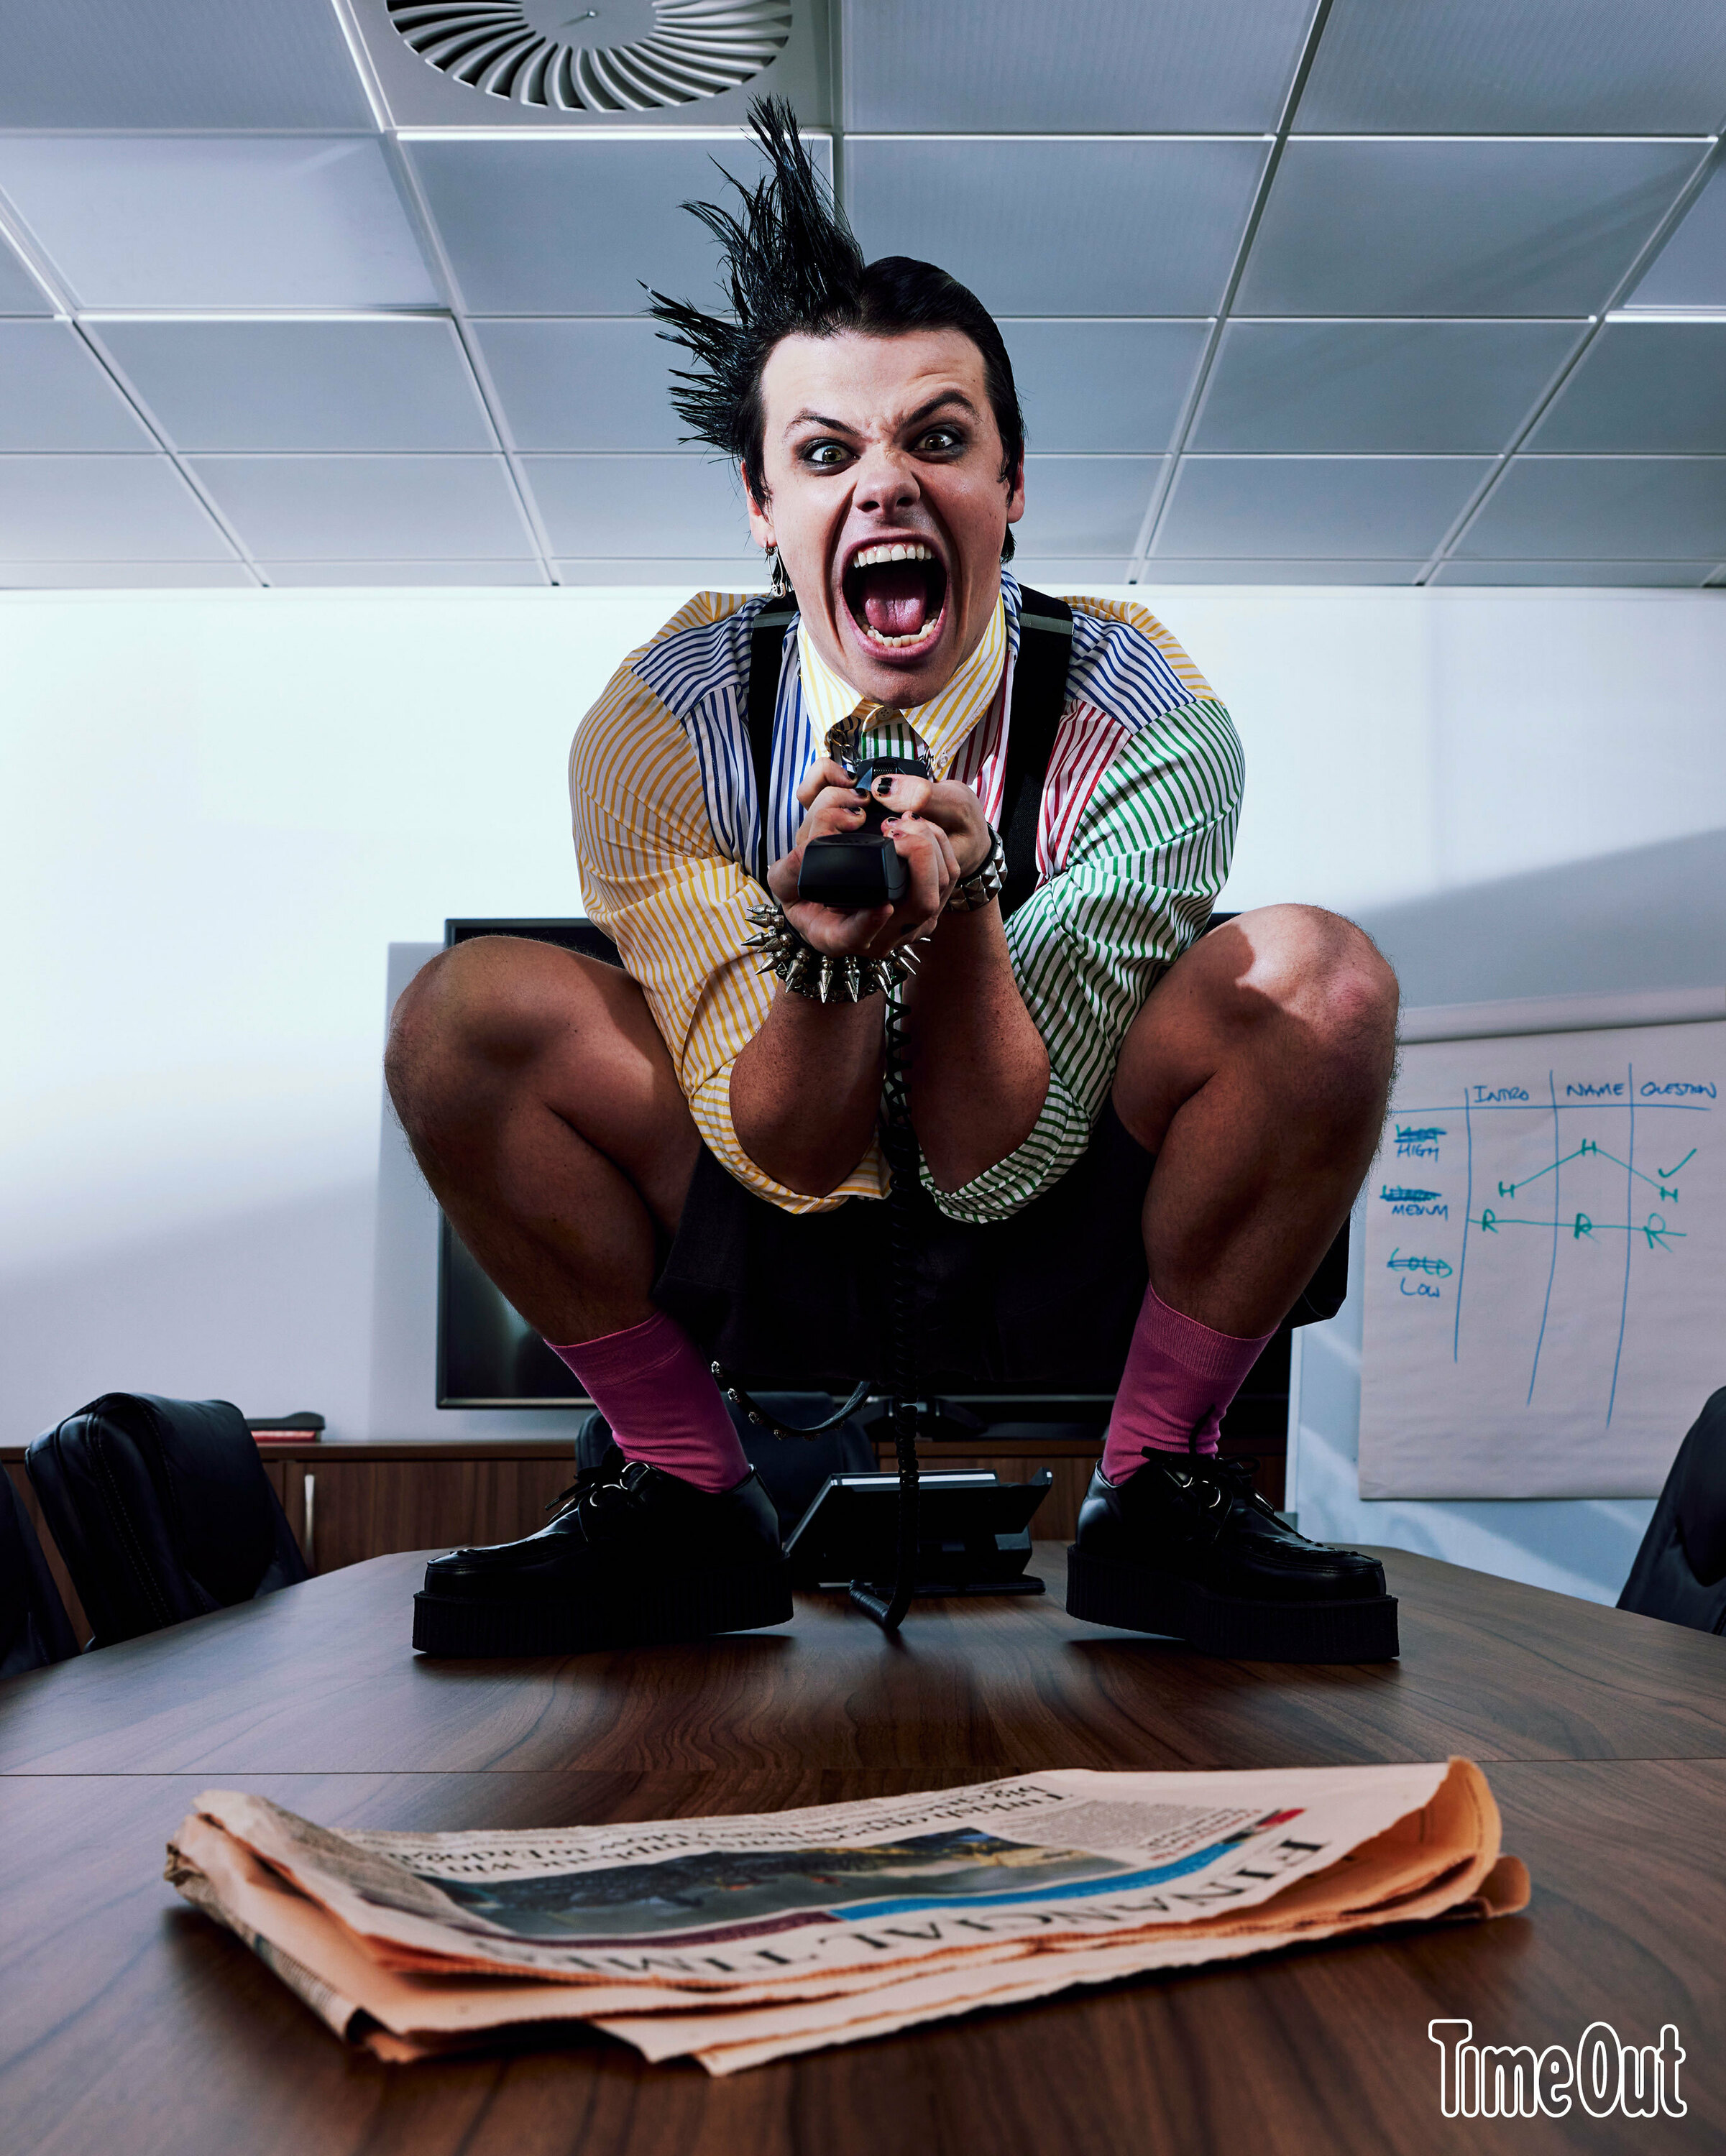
column 856, row 870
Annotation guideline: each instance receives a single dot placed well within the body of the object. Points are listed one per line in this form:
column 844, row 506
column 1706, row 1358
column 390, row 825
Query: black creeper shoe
column 1185, row 1546
column 633, row 1557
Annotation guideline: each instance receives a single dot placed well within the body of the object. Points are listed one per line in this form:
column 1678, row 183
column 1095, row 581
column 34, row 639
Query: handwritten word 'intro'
column 1484, row 1095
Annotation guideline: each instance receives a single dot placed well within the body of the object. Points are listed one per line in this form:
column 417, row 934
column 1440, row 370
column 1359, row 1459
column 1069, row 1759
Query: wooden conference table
column 131, row 2023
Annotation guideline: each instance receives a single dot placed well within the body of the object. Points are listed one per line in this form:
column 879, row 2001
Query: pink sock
column 653, row 1387
column 1180, row 1378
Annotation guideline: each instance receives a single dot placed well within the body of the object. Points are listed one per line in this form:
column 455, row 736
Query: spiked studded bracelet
column 807, row 972
column 983, row 883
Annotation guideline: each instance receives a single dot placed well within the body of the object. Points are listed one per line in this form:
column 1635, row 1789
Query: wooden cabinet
column 349, row 1501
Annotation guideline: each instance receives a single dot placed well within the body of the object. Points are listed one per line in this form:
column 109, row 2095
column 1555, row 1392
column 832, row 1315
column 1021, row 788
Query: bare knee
column 1323, row 973
column 1307, row 998
column 469, row 1016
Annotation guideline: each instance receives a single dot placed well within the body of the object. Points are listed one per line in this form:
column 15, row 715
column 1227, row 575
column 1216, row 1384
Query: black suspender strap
column 767, row 655
column 1046, row 644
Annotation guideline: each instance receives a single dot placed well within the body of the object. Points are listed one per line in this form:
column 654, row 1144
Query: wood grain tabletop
column 132, row 2024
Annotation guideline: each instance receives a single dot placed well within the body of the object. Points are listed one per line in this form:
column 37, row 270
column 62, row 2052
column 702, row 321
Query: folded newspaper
column 737, row 1940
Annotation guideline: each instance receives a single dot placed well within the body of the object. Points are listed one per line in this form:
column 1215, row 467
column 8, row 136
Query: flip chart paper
column 1545, row 1264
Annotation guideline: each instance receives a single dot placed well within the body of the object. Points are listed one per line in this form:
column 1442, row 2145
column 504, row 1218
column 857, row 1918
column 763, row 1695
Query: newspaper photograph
column 719, row 1936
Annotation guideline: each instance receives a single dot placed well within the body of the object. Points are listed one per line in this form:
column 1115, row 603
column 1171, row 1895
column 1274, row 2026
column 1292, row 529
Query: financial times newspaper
column 719, row 1935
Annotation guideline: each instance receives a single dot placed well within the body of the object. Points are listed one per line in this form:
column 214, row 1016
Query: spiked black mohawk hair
column 791, row 266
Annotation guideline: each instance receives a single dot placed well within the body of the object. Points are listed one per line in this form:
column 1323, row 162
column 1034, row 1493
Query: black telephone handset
column 858, row 869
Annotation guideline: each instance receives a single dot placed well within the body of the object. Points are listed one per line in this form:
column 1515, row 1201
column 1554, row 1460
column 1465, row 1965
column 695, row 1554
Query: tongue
column 896, row 599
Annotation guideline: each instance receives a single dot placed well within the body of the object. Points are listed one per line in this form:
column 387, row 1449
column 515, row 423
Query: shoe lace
column 1228, row 1477
column 591, row 1482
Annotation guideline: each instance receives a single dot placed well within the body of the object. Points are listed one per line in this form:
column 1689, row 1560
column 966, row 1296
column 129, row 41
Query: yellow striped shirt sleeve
column 677, row 910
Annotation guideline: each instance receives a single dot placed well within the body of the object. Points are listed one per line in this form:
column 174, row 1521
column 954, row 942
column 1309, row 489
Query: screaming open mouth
column 896, row 594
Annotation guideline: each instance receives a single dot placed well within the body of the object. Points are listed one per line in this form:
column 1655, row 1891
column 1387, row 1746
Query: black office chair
column 1680, row 1571
column 34, row 1629
column 161, row 1510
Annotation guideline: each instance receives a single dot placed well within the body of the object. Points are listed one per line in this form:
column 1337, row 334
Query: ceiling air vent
column 621, row 56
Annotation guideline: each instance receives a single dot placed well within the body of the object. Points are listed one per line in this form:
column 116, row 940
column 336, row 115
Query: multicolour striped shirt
column 1136, row 825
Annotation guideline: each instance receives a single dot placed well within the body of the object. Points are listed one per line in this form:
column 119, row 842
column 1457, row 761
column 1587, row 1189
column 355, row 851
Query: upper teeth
column 897, row 551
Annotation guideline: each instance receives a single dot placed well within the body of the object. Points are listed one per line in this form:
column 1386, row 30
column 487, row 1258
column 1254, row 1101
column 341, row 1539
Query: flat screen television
column 488, row 1357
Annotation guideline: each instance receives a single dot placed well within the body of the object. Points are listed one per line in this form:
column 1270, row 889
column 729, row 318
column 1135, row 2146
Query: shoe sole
column 693, row 1606
column 1134, row 1598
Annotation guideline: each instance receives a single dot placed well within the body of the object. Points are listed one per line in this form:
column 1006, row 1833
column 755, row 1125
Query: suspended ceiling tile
column 1226, row 571
column 1647, row 385
column 369, row 508
column 392, row 382
column 177, row 64
column 679, row 571
column 1603, row 508
column 1540, row 67
column 1401, row 388
column 217, row 221
column 1313, row 508
column 124, row 576
column 1118, row 386
column 1085, row 505
column 582, row 385
column 637, row 507
column 1083, row 573
column 1685, row 575
column 1458, row 227
column 102, row 509
column 1088, row 66
column 361, row 575
column 572, row 224
column 1690, row 271
column 53, row 395
column 1060, row 228
column 19, row 292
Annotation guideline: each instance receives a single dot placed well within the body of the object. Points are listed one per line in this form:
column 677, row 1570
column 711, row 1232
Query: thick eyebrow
column 807, row 418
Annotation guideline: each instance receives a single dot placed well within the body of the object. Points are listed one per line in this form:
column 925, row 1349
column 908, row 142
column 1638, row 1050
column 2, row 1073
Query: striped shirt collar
column 942, row 724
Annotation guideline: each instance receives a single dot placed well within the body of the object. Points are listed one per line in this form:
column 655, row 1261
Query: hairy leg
column 1258, row 1073
column 544, row 1112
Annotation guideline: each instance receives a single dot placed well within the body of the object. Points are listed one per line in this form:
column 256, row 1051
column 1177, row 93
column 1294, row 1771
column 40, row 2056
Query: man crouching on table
column 1137, row 1140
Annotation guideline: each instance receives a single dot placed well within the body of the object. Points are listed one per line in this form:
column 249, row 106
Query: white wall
column 223, row 808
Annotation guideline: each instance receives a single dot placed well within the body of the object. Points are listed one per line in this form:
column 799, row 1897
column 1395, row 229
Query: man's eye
column 943, row 440
column 824, row 455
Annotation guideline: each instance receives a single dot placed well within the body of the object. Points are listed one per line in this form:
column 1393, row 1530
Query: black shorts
column 1045, row 1300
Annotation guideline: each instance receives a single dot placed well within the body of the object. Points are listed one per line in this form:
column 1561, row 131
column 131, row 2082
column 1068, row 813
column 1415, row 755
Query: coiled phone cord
column 899, row 1146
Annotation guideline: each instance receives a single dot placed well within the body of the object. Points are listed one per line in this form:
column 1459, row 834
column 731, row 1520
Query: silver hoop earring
column 776, row 571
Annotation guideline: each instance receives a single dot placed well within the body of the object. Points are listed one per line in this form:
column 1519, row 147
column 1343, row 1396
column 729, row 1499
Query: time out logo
column 1602, row 2075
